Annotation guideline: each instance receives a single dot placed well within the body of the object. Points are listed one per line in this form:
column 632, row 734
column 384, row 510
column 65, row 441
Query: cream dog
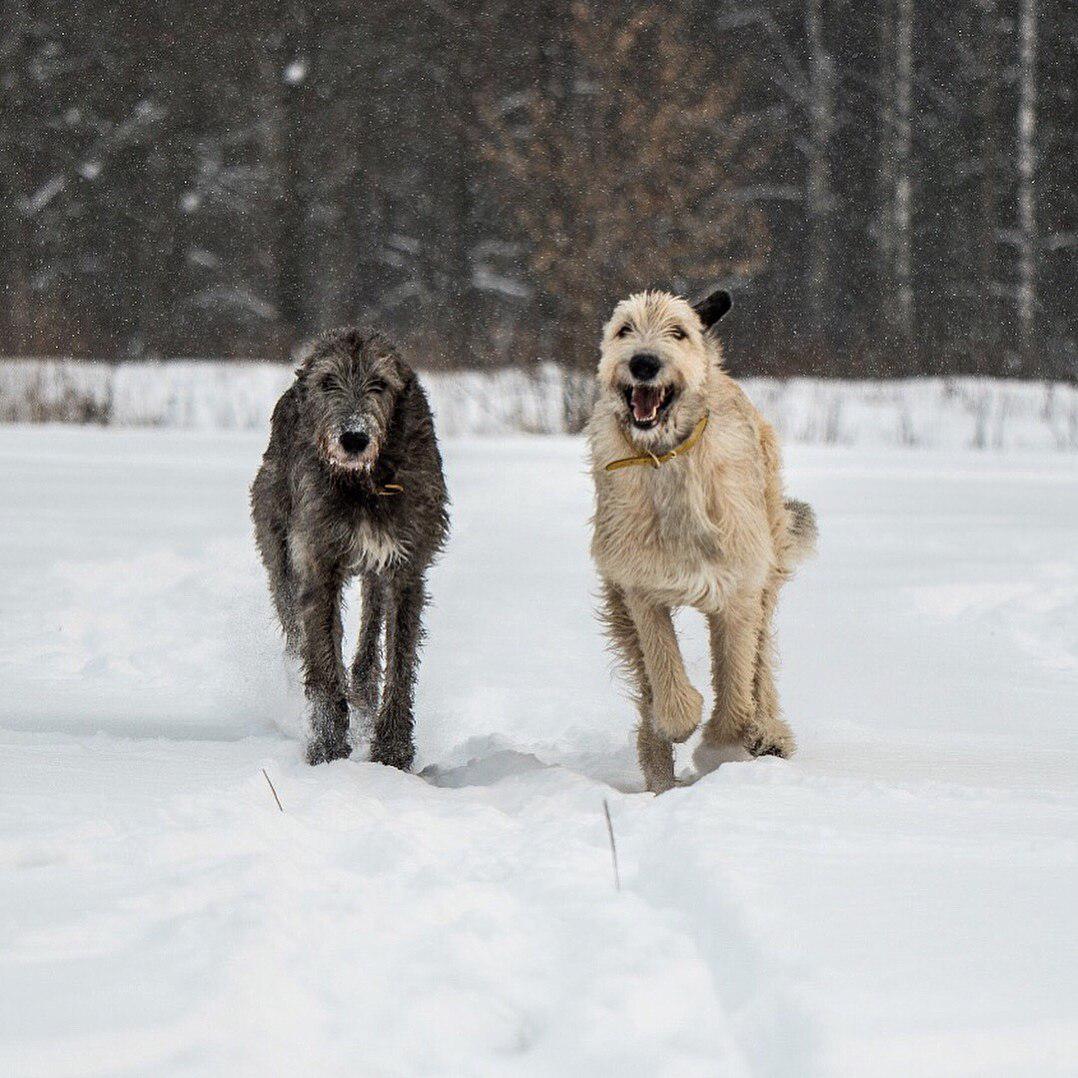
column 689, row 511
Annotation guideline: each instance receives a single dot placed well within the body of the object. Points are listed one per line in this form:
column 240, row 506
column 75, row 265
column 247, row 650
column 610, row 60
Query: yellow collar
column 662, row 458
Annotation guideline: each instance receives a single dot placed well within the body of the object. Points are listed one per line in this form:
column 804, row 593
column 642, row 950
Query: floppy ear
column 303, row 365
column 303, row 355
column 712, row 307
column 402, row 373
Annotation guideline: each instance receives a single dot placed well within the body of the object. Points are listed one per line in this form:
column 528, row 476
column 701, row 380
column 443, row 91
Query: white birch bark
column 903, row 195
column 1027, row 170
column 886, row 178
column 819, row 195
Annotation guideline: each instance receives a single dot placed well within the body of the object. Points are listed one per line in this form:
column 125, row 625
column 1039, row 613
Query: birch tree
column 903, row 181
column 1027, row 174
column 895, row 220
column 988, row 200
column 819, row 197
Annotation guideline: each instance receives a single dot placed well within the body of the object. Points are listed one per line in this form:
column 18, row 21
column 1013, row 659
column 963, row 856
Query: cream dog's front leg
column 676, row 706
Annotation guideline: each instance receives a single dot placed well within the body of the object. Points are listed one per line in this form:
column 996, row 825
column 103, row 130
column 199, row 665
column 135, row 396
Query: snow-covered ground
column 897, row 899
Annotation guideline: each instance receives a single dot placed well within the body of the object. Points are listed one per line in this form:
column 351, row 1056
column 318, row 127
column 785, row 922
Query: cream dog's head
column 656, row 358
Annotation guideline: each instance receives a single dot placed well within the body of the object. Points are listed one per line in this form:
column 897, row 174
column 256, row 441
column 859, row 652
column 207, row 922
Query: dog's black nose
column 644, row 366
column 355, row 441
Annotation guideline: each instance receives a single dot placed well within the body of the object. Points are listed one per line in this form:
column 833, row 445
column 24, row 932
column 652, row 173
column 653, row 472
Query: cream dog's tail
column 802, row 532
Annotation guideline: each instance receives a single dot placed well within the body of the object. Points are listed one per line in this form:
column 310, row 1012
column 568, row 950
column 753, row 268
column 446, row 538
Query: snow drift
column 980, row 413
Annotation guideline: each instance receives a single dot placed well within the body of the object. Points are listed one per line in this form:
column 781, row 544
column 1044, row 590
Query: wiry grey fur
column 323, row 514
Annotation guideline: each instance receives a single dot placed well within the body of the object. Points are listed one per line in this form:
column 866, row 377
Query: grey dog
column 351, row 484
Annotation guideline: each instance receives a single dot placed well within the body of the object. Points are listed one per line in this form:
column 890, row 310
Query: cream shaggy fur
column 708, row 529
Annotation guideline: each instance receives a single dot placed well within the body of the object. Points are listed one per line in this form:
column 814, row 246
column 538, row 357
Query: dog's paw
column 658, row 772
column 659, row 784
column 327, row 717
column 321, row 751
column 398, row 754
column 677, row 718
column 774, row 738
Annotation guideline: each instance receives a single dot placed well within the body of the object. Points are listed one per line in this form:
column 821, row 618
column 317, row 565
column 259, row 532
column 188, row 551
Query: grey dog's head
column 351, row 383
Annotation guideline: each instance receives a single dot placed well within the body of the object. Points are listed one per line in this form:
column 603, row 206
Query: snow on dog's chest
column 373, row 548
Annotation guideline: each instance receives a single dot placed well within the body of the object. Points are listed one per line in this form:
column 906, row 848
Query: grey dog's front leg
column 404, row 632
column 367, row 664
column 323, row 672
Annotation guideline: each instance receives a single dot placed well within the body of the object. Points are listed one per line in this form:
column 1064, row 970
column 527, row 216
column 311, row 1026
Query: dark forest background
column 888, row 186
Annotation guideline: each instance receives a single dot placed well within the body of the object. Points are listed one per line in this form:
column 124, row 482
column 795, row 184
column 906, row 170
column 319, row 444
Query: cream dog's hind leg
column 746, row 703
column 768, row 734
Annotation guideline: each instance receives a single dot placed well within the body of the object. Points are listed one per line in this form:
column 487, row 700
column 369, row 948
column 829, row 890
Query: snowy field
column 898, row 899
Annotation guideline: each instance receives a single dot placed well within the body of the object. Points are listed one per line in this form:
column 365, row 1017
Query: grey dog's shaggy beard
column 343, row 465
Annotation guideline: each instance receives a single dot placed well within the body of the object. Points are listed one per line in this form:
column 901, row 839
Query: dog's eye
column 377, row 386
column 678, row 333
column 624, row 331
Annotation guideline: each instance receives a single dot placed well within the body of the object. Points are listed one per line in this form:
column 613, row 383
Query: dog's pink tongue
column 646, row 402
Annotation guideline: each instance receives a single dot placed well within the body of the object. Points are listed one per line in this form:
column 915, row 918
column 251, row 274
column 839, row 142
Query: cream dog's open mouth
column 647, row 404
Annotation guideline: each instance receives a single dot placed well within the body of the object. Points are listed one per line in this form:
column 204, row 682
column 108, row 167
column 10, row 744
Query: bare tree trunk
column 12, row 275
column 988, row 106
column 903, row 196
column 461, row 92
column 555, row 76
column 286, row 71
column 886, row 179
column 1027, row 174
column 819, row 193
column 12, row 278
